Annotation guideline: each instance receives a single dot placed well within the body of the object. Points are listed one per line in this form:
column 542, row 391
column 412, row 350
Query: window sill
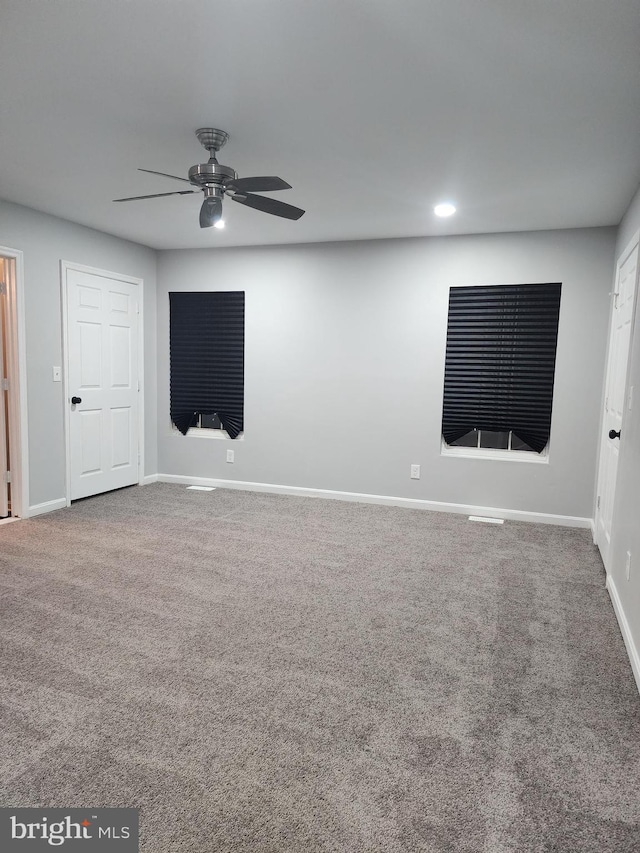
column 198, row 432
column 497, row 455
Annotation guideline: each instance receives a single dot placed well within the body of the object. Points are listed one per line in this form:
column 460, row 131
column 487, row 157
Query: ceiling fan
column 216, row 181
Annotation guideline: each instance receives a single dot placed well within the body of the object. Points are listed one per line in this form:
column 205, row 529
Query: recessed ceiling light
column 219, row 224
column 444, row 209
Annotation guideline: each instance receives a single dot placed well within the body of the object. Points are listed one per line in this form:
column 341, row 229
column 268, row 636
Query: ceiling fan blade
column 164, row 175
column 155, row 195
column 259, row 185
column 269, row 205
column 210, row 212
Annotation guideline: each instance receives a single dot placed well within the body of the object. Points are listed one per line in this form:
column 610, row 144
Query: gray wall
column 45, row 240
column 625, row 534
column 344, row 366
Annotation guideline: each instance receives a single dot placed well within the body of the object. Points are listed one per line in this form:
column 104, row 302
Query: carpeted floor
column 268, row 673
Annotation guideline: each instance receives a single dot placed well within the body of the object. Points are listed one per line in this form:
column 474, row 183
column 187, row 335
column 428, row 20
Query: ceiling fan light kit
column 216, row 181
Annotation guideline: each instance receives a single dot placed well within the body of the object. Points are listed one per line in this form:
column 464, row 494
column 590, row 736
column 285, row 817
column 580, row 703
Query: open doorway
column 13, row 493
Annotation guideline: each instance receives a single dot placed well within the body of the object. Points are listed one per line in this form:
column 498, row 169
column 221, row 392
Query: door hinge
column 138, row 384
column 3, row 288
column 598, row 502
column 7, row 476
column 137, row 307
column 4, row 384
column 616, row 293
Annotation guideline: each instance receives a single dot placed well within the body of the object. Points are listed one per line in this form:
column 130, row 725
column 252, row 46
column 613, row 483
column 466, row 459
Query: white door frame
column 17, row 375
column 64, row 267
column 629, row 248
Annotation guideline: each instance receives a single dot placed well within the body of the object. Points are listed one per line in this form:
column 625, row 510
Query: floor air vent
column 202, row 488
column 486, row 519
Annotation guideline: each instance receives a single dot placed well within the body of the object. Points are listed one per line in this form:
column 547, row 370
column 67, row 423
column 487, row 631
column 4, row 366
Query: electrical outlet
column 57, row 374
column 415, row 472
column 627, row 568
column 230, row 455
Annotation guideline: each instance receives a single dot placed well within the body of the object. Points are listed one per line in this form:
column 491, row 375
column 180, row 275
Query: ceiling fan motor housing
column 211, row 174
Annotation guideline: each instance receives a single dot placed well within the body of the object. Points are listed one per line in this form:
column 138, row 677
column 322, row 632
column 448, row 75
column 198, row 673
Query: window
column 206, row 343
column 485, row 439
column 499, row 367
column 207, row 426
column 209, row 422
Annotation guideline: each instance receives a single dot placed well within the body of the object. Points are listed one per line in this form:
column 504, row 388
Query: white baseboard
column 47, row 506
column 632, row 649
column 150, row 478
column 409, row 503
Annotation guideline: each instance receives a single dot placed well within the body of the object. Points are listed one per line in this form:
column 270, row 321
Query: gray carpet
column 267, row 673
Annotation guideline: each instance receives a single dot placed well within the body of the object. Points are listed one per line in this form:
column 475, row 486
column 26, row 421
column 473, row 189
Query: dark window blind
column 500, row 361
column 206, row 342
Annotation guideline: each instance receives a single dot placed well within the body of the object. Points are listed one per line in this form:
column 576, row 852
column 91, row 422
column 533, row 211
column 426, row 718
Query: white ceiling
column 526, row 114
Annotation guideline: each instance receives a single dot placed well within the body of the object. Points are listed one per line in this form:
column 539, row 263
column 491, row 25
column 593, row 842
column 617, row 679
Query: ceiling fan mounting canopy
column 216, row 181
column 211, row 138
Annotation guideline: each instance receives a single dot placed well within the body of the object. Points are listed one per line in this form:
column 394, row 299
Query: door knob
column 614, row 434
column 76, row 400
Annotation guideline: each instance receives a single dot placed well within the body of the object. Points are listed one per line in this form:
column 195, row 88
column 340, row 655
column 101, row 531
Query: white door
column 615, row 396
column 102, row 382
column 4, row 410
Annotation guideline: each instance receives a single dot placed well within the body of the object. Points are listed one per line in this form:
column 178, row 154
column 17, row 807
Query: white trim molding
column 632, row 649
column 354, row 497
column 47, row 506
column 408, row 503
